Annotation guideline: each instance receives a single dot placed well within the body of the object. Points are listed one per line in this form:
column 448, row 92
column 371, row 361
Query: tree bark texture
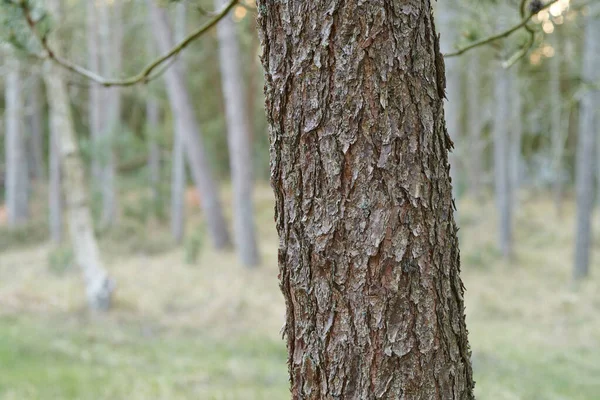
column 368, row 252
column 99, row 287
column 589, row 117
column 17, row 176
column 238, row 140
column 187, row 126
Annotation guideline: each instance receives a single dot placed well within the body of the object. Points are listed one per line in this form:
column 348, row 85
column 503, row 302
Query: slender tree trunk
column 238, row 139
column 557, row 126
column 368, row 251
column 17, row 176
column 589, row 119
column 447, row 19
column 110, row 55
column 473, row 101
column 178, row 175
column 55, row 201
column 187, row 126
column 152, row 123
column 99, row 287
column 516, row 130
column 501, row 161
column 35, row 118
column 95, row 103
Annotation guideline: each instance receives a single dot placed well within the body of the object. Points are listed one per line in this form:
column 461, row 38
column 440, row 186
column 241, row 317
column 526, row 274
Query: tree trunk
column 238, row 140
column 99, row 287
column 588, row 132
column 557, row 127
column 178, row 175
column 17, row 176
column 368, row 250
column 516, row 130
column 55, row 202
column 501, row 161
column 35, row 118
column 110, row 56
column 95, row 104
column 152, row 123
column 447, row 18
column 474, row 122
column 187, row 126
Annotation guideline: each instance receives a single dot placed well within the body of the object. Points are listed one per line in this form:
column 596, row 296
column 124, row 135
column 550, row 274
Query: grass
column 211, row 330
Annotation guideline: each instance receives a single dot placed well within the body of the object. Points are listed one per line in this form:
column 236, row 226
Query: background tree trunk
column 501, row 161
column 95, row 108
column 99, row 287
column 368, row 251
column 238, row 139
column 187, row 126
column 588, row 134
column 557, row 126
column 152, row 124
column 178, row 175
column 55, row 201
column 473, row 100
column 35, row 117
column 17, row 176
column 516, row 133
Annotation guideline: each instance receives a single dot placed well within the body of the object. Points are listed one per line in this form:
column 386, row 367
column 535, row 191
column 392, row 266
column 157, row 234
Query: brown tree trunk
column 368, row 253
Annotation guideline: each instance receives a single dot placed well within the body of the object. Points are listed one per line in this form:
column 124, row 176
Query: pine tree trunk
column 238, row 139
column 368, row 251
column 36, row 128
column 187, row 126
column 589, row 118
column 178, row 175
column 17, row 176
column 99, row 287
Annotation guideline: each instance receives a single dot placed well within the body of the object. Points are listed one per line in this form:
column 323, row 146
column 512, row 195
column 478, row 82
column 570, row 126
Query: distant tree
column 55, row 199
column 17, row 176
column 589, row 118
column 368, row 250
column 99, row 287
column 35, row 125
column 238, row 139
column 557, row 127
column 473, row 99
column 187, row 126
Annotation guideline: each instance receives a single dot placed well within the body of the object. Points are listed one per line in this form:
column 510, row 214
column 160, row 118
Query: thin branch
column 145, row 74
column 498, row 36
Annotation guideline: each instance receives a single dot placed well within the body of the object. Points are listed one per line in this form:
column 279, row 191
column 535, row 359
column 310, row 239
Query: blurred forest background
column 176, row 170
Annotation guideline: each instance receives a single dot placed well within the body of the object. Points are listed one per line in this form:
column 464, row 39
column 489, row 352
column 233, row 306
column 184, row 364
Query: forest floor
column 211, row 330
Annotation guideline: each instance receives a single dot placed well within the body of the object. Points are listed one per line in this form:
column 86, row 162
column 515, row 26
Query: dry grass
column 534, row 334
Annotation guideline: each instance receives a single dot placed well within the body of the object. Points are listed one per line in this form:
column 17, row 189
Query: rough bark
column 501, row 161
column 35, row 117
column 368, row 252
column 238, row 140
column 17, row 176
column 588, row 134
column 99, row 287
column 178, row 175
column 187, row 124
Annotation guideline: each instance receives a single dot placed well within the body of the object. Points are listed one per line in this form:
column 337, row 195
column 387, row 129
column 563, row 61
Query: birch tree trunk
column 178, row 175
column 238, row 140
column 35, row 118
column 501, row 161
column 189, row 129
column 95, row 105
column 589, row 119
column 17, row 176
column 368, row 251
column 99, row 287
column 110, row 56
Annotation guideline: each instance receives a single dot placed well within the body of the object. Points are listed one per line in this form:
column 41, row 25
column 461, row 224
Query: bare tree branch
column 498, row 36
column 145, row 75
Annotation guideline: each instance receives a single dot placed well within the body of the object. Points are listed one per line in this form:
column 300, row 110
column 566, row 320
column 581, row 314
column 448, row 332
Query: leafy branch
column 145, row 75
